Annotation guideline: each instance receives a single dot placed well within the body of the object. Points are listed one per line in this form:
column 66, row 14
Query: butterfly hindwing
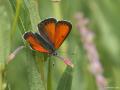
column 46, row 44
column 34, row 42
column 62, row 29
column 47, row 29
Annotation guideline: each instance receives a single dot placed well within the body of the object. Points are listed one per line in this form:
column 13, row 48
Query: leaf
column 65, row 82
column 26, row 20
column 34, row 77
column 24, row 23
column 32, row 6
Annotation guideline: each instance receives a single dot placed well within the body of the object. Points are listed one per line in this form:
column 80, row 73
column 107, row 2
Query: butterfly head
column 54, row 53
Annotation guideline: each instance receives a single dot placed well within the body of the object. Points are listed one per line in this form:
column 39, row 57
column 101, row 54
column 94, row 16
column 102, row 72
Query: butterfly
column 52, row 34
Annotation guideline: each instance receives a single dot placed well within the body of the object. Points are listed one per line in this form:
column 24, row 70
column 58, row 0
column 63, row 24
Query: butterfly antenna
column 67, row 61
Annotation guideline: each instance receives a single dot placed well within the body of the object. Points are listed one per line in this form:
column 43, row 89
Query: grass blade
column 65, row 82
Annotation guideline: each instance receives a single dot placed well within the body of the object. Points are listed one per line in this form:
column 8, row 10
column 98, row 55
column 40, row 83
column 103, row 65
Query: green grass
column 30, row 70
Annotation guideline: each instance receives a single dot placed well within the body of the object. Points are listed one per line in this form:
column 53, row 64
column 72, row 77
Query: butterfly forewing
column 62, row 29
column 47, row 29
column 34, row 42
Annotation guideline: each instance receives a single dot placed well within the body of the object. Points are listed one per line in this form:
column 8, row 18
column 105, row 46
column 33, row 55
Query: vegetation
column 24, row 69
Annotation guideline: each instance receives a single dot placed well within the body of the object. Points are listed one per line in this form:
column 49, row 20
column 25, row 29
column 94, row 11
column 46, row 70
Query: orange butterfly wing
column 34, row 43
column 62, row 29
column 47, row 29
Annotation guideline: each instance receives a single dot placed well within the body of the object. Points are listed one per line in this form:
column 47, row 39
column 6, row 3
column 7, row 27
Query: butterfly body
column 51, row 35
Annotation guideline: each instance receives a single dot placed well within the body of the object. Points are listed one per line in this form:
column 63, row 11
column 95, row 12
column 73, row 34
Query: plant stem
column 56, row 8
column 1, row 81
column 49, row 77
column 1, row 76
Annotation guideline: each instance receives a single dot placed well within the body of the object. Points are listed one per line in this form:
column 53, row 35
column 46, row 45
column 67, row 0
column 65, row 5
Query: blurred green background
column 22, row 73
